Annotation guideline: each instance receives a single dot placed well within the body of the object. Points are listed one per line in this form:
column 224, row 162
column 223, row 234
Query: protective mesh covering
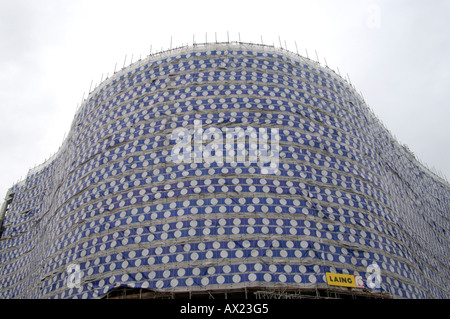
column 122, row 204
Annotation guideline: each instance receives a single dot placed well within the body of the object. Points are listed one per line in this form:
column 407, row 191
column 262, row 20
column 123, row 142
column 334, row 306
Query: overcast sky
column 396, row 52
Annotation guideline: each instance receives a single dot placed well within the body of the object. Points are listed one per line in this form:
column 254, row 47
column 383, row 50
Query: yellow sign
column 341, row 280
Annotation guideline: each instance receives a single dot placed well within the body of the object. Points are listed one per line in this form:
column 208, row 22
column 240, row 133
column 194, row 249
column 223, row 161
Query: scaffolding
column 248, row 294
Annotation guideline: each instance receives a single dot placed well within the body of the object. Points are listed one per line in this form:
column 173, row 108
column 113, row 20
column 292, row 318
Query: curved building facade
column 226, row 167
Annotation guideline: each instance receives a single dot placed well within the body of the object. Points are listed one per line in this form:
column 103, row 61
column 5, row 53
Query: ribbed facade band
column 148, row 190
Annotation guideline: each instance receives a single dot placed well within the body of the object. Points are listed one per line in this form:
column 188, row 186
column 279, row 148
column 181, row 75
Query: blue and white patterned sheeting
column 117, row 207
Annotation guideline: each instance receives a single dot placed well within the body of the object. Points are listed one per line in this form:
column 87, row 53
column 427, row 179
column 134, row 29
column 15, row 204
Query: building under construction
column 224, row 170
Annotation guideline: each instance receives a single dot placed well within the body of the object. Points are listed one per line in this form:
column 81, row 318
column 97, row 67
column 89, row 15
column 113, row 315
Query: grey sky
column 397, row 53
